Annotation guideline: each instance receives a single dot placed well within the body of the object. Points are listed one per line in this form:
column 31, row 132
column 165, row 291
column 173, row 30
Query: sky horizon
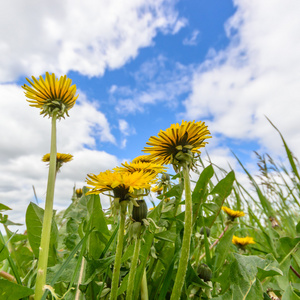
column 140, row 67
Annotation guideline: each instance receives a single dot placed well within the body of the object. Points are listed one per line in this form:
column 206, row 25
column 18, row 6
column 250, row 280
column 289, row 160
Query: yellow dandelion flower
column 242, row 242
column 51, row 95
column 121, row 183
column 61, row 158
column 148, row 167
column 142, row 158
column 178, row 143
column 157, row 189
column 232, row 214
column 78, row 193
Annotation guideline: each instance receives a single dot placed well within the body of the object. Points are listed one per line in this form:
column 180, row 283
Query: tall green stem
column 144, row 287
column 130, row 284
column 45, row 238
column 186, row 241
column 117, row 265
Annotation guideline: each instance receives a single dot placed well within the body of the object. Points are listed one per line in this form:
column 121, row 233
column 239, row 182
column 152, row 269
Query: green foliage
column 13, row 291
column 83, row 241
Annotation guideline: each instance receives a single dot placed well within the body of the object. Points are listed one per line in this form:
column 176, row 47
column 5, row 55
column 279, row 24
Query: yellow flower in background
column 51, row 95
column 242, row 242
column 148, row 167
column 142, row 158
column 232, row 214
column 61, row 158
column 178, row 143
column 78, row 193
column 157, row 189
column 121, row 183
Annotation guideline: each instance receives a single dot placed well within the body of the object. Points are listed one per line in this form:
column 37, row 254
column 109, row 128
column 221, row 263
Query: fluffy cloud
column 25, row 138
column 158, row 80
column 257, row 75
column 83, row 36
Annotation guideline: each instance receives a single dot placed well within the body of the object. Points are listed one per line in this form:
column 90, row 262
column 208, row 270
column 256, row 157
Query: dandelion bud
column 207, row 229
column 204, row 272
column 139, row 213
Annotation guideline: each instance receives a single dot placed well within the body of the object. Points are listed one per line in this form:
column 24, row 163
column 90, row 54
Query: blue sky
column 140, row 66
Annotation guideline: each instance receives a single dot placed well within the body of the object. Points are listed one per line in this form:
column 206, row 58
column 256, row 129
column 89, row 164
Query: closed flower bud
column 204, row 272
column 165, row 177
column 139, row 213
column 207, row 229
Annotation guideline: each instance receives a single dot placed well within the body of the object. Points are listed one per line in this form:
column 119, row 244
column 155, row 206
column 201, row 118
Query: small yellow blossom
column 61, row 158
column 232, row 214
column 157, row 189
column 78, row 193
column 242, row 242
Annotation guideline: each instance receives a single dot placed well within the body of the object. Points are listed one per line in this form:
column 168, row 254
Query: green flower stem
column 45, row 238
column 117, row 265
column 144, row 287
column 130, row 284
column 186, row 241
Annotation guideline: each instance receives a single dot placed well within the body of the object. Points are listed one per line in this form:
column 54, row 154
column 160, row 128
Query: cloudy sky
column 139, row 66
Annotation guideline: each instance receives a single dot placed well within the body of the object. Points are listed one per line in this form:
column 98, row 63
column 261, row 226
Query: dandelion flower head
column 177, row 142
column 51, row 95
column 232, row 214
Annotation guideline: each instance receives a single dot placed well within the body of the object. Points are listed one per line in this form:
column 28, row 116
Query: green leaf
column 244, row 283
column 222, row 249
column 3, row 251
column 34, row 223
column 100, row 235
column 298, row 228
column 168, row 236
column 221, row 191
column 289, row 294
column 200, row 190
column 201, row 184
column 12, row 291
column 4, row 207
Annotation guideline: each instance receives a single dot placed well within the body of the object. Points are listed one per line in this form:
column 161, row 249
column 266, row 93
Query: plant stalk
column 144, row 287
column 46, row 229
column 117, row 264
column 130, row 284
column 186, row 241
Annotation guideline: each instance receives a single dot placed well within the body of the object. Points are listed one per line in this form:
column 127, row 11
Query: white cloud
column 159, row 80
column 25, row 138
column 256, row 75
column 192, row 39
column 83, row 36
